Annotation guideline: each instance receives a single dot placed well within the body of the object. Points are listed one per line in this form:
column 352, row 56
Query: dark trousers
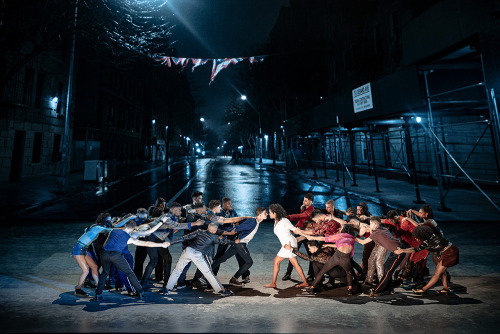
column 391, row 264
column 141, row 253
column 155, row 253
column 310, row 271
column 240, row 250
column 117, row 259
column 335, row 273
column 338, row 259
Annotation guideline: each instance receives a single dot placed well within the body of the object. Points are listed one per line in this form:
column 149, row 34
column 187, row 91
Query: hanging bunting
column 217, row 64
column 198, row 62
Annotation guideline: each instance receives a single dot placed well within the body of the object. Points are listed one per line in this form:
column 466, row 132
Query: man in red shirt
column 305, row 213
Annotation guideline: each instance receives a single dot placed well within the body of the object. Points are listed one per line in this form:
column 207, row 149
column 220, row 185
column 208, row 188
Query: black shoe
column 89, row 284
column 80, row 292
column 181, row 285
column 235, row 282
column 164, row 291
column 96, row 298
column 310, row 278
column 246, row 280
column 287, row 277
column 138, row 296
column 107, row 287
column 350, row 292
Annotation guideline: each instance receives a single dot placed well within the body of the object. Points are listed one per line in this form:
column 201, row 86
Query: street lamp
column 202, row 119
column 244, row 98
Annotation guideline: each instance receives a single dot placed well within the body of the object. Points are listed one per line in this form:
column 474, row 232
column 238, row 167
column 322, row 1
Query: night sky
column 220, row 29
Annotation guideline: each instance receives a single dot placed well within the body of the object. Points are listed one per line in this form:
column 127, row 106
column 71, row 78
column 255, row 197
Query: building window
column 37, row 148
column 29, row 76
column 56, row 154
column 39, row 90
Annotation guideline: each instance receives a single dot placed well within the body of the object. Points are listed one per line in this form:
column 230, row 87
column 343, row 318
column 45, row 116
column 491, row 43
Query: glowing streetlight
column 243, row 97
column 153, row 121
column 202, row 119
column 225, row 142
column 419, row 119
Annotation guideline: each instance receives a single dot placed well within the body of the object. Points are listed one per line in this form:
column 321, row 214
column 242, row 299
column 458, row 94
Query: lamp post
column 65, row 146
column 244, row 98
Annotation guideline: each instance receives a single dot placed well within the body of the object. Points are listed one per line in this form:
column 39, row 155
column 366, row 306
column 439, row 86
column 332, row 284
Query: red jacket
column 301, row 217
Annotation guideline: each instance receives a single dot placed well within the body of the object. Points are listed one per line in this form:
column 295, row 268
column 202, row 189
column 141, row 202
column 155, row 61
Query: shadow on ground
column 185, row 296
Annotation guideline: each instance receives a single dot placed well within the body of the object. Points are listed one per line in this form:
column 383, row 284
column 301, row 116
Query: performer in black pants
column 245, row 231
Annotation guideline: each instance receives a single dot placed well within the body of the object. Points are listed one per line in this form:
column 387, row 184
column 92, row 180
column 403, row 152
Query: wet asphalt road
column 37, row 273
column 248, row 185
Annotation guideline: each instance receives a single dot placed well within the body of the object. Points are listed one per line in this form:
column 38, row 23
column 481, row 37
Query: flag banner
column 198, row 62
column 221, row 64
column 217, row 64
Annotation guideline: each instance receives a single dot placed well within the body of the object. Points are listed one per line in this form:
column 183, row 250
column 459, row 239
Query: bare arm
column 147, row 243
column 223, row 220
column 406, row 250
column 311, row 237
column 136, row 234
column 363, row 241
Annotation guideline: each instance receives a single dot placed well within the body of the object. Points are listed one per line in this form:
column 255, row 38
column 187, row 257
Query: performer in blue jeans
column 112, row 254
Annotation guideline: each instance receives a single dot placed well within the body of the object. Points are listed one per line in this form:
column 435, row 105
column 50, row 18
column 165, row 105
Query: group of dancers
column 395, row 247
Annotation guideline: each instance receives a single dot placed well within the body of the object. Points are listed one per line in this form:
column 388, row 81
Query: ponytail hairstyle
column 428, row 209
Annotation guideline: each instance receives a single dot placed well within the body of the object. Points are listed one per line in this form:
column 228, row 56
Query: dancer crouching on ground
column 344, row 242
column 283, row 229
column 448, row 256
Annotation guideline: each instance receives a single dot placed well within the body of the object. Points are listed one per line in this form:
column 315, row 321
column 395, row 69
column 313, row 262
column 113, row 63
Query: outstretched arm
column 406, row 250
column 136, row 234
column 310, row 237
column 363, row 241
column 147, row 243
column 223, row 220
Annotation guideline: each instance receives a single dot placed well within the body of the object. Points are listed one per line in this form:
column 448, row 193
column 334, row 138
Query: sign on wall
column 362, row 98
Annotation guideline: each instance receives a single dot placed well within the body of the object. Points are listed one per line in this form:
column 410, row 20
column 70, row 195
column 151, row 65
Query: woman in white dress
column 283, row 229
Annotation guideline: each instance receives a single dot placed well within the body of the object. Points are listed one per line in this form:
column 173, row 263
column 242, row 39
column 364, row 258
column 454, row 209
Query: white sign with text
column 362, row 98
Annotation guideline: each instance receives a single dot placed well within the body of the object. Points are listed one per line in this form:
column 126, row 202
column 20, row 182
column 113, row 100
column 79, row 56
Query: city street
column 38, row 275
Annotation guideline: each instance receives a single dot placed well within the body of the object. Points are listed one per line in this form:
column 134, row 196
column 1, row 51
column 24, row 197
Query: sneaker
column 197, row 285
column 372, row 293
column 181, row 285
column 225, row 293
column 350, row 292
column 235, row 282
column 163, row 291
column 287, row 277
column 138, row 296
column 246, row 280
column 96, row 298
column 89, row 284
column 80, row 292
column 202, row 281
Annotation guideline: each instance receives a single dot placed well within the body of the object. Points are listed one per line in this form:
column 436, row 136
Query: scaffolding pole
column 437, row 155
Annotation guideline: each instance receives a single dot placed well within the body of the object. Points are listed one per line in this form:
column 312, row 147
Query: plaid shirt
column 328, row 227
